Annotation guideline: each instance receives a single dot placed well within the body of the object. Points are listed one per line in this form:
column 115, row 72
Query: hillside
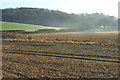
column 45, row 17
column 26, row 27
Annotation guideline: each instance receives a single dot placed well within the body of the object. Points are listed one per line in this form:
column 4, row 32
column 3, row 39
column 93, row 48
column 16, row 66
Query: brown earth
column 61, row 55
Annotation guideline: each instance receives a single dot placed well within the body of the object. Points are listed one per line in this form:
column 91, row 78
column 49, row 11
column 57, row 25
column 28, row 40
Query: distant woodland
column 55, row 18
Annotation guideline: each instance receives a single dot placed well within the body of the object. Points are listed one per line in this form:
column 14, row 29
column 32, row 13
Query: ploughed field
column 61, row 55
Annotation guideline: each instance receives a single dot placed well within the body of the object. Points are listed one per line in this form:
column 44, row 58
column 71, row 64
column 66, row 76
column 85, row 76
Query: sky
column 108, row 7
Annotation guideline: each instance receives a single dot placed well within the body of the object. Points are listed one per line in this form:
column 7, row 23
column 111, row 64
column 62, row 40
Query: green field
column 21, row 26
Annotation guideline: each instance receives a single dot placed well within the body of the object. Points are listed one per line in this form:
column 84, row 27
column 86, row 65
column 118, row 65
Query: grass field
column 61, row 55
column 21, row 26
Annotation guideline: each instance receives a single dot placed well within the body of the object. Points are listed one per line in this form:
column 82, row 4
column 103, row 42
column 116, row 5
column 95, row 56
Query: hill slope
column 21, row 26
column 54, row 18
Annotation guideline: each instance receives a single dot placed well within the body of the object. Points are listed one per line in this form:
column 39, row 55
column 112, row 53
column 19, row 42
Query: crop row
column 62, row 42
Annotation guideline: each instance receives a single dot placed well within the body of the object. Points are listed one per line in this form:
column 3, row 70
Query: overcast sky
column 109, row 7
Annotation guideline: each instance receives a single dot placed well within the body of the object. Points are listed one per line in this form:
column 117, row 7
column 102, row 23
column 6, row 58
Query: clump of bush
column 15, row 35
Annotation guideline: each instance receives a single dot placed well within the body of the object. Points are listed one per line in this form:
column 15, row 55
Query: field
column 25, row 27
column 61, row 55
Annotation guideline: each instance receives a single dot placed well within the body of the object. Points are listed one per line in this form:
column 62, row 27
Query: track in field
column 64, row 57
